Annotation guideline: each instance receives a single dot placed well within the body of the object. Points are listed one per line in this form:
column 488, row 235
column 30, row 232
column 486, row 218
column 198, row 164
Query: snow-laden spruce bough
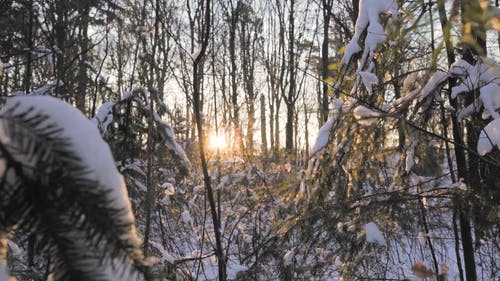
column 59, row 181
column 482, row 77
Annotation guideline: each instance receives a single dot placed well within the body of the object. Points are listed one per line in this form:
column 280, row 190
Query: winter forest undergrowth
column 249, row 140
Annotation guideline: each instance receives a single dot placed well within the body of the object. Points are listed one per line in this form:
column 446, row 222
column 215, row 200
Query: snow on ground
column 373, row 234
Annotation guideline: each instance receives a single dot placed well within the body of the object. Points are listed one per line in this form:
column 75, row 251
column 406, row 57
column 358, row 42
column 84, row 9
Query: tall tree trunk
column 355, row 10
column 474, row 44
column 150, row 181
column 263, row 131
column 290, row 99
column 197, row 108
column 60, row 41
column 247, row 47
column 327, row 9
column 120, row 58
column 270, row 98
column 457, row 131
column 82, row 71
column 29, row 44
column 306, row 132
column 233, row 23
column 277, row 123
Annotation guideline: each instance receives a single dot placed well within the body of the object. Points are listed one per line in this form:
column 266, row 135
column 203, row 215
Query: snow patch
column 233, row 268
column 323, row 135
column 288, row 257
column 373, row 234
column 368, row 18
column 170, row 141
column 104, row 117
column 364, row 112
column 489, row 138
column 490, row 96
column 365, row 116
column 369, row 79
column 186, row 217
column 169, row 189
column 434, row 82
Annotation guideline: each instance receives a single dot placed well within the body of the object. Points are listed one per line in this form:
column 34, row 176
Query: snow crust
column 337, row 106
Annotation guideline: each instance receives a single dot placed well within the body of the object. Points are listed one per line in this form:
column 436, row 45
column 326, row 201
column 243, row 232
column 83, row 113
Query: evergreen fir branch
column 48, row 191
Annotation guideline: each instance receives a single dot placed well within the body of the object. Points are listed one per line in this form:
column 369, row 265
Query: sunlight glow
column 217, row 141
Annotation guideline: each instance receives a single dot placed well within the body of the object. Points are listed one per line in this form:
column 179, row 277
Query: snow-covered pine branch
column 58, row 179
column 106, row 115
column 483, row 76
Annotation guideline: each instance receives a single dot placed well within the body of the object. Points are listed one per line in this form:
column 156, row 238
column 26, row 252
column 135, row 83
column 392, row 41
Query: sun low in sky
column 217, row 141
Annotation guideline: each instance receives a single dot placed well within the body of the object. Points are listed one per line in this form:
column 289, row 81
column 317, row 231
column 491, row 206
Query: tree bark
column 327, row 9
column 197, row 108
column 263, row 124
column 233, row 24
column 290, row 99
column 82, row 71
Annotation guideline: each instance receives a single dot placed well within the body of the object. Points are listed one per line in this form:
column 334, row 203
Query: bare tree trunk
column 263, row 124
column 197, row 108
column 327, row 9
column 120, row 59
column 82, row 71
column 233, row 24
column 248, row 46
column 277, row 123
column 29, row 39
column 290, row 99
column 150, row 182
column 355, row 10
column 270, row 98
column 467, row 167
column 456, row 129
column 60, row 41
column 306, row 131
